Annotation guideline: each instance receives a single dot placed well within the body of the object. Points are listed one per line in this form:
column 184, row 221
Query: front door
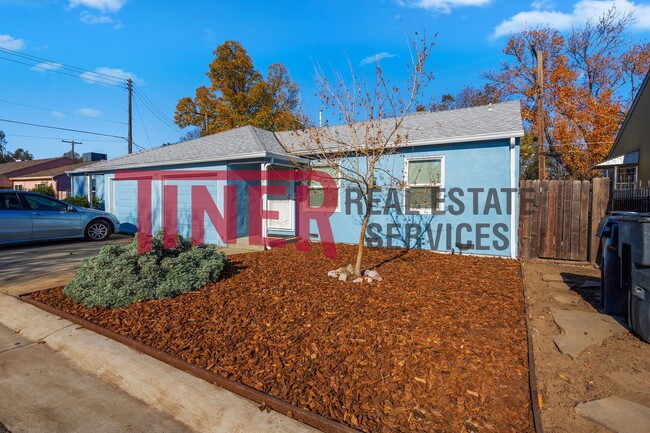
column 284, row 204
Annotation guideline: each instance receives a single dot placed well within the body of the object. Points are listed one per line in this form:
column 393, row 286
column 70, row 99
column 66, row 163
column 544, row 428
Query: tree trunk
column 362, row 235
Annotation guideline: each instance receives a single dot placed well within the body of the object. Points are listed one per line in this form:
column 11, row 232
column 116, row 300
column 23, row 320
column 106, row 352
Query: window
column 36, row 202
column 424, row 178
column 626, row 177
column 18, row 187
column 9, row 201
column 316, row 191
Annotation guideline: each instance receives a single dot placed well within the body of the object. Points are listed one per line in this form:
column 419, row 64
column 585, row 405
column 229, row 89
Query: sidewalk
column 42, row 392
column 69, row 376
column 56, row 376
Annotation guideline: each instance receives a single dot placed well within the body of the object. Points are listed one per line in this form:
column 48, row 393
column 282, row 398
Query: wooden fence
column 559, row 219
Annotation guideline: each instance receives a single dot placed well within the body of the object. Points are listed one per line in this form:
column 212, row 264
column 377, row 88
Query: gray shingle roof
column 477, row 123
column 239, row 142
column 464, row 124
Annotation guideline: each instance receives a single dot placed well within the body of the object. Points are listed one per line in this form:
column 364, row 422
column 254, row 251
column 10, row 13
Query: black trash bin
column 634, row 250
column 613, row 297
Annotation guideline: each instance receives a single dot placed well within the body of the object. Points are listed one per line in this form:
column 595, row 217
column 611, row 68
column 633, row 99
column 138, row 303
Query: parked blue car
column 28, row 216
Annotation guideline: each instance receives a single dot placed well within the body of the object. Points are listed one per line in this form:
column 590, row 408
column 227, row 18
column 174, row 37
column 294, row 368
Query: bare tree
column 371, row 116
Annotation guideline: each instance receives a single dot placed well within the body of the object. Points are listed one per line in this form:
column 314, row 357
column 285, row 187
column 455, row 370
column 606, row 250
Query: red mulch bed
column 438, row 346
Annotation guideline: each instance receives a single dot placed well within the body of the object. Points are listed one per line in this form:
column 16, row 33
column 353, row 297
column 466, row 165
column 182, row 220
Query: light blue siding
column 472, row 165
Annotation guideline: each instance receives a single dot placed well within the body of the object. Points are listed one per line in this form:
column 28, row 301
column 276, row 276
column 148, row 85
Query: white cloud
column 444, row 6
column 57, row 114
column 47, row 66
column 88, row 112
column 8, row 42
column 100, row 5
column 90, row 19
column 99, row 75
column 542, row 13
column 376, row 58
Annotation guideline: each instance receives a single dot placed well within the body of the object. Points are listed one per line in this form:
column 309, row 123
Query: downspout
column 513, row 198
column 89, row 192
column 265, row 206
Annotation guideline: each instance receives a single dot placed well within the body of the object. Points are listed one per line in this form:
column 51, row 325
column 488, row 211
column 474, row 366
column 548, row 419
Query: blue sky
column 166, row 46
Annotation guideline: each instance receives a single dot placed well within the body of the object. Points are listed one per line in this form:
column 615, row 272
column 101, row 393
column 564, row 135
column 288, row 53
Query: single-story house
column 57, row 178
column 628, row 162
column 470, row 157
column 20, row 168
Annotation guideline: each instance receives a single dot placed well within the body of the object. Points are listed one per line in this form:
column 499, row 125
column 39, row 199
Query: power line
column 61, row 129
column 39, row 61
column 156, row 112
column 148, row 103
column 143, row 125
column 62, row 112
column 63, row 73
column 60, row 138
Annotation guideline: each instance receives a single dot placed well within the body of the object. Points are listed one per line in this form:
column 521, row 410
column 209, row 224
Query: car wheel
column 98, row 230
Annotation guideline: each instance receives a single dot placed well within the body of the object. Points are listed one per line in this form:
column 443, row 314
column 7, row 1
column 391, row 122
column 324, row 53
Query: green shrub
column 82, row 201
column 44, row 188
column 119, row 276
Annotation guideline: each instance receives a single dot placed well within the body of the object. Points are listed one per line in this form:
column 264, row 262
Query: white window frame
column 318, row 165
column 18, row 187
column 636, row 176
column 441, row 195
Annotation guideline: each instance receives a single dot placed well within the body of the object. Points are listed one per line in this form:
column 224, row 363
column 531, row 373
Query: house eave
column 188, row 161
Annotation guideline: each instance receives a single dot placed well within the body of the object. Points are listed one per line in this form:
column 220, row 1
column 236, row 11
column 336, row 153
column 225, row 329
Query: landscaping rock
column 343, row 276
column 333, row 274
column 358, row 280
column 372, row 275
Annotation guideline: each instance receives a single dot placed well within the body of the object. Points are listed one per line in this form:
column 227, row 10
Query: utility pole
column 129, row 86
column 540, row 116
column 72, row 142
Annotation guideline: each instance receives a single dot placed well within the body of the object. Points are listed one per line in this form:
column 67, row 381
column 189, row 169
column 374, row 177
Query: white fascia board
column 146, row 165
column 467, row 138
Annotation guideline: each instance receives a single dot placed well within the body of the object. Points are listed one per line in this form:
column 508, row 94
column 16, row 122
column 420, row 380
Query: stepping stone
column 559, row 286
column 553, row 278
column 617, row 414
column 631, row 379
column 582, row 329
column 566, row 299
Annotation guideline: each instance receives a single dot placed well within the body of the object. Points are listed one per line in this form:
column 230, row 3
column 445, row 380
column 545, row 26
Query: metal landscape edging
column 314, row 420
column 532, row 377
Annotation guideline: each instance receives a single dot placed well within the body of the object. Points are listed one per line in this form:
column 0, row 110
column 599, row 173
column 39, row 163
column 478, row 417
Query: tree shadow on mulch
column 232, row 268
column 399, row 254
column 590, row 294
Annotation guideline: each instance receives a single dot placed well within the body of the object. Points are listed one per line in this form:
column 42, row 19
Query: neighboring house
column 628, row 162
column 20, row 168
column 471, row 154
column 57, row 178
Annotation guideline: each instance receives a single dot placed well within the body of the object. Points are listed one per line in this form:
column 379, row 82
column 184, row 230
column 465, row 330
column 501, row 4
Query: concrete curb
column 201, row 406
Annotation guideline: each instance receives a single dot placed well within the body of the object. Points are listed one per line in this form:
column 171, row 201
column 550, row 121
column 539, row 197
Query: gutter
column 178, row 162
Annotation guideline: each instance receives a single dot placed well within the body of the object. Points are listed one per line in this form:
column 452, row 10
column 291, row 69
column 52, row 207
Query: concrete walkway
column 40, row 391
column 74, row 371
column 56, row 376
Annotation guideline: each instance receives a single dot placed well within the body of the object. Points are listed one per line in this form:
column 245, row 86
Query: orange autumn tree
column 240, row 95
column 590, row 78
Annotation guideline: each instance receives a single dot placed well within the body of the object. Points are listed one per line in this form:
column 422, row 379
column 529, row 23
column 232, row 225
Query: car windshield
column 36, row 202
